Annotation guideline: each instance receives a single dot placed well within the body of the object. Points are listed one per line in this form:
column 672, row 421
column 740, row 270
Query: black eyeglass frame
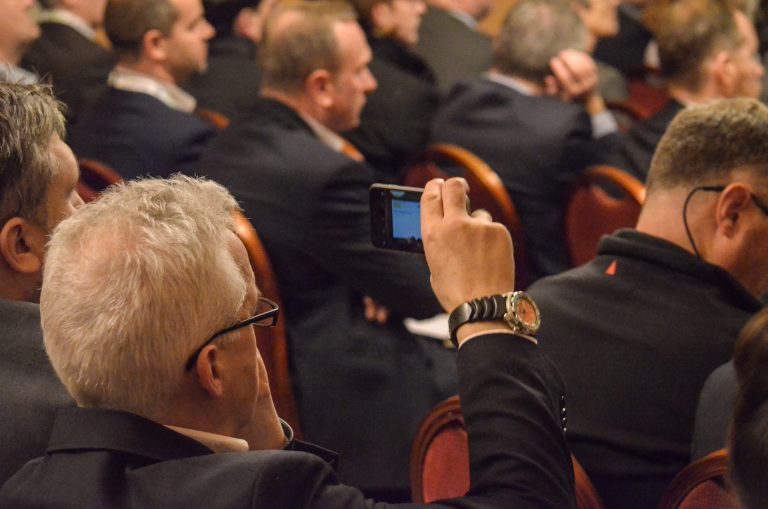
column 254, row 320
column 719, row 189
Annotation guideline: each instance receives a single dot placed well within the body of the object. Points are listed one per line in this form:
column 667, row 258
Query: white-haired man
column 147, row 307
column 38, row 175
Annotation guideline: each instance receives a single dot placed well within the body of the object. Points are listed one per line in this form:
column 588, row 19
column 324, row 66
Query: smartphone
column 396, row 217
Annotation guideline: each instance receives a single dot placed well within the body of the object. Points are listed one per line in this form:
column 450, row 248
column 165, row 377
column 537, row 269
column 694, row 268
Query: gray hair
column 134, row 282
column 29, row 118
column 534, row 32
column 704, row 144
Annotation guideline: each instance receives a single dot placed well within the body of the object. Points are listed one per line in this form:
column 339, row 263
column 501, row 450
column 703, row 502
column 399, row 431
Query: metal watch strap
column 484, row 309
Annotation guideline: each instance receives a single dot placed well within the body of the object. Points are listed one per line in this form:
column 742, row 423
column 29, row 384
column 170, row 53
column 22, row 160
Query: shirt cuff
column 603, row 124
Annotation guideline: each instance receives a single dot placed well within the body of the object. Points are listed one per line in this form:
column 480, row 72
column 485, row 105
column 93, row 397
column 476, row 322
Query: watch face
column 525, row 313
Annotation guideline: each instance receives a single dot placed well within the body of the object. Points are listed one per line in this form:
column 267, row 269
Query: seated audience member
column 749, row 429
column 231, row 82
column 394, row 125
column 450, row 43
column 627, row 50
column 707, row 51
column 150, row 433
column 68, row 55
column 637, row 331
column 601, row 19
column 144, row 124
column 18, row 29
column 536, row 143
column 38, row 174
column 284, row 161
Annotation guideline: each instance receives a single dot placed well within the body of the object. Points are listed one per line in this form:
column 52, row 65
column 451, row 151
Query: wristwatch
column 516, row 308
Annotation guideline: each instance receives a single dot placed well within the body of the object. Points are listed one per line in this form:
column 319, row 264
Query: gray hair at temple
column 30, row 116
column 134, row 282
column 534, row 32
column 704, row 144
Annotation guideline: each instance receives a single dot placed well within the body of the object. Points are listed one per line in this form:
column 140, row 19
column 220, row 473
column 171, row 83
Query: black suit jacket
column 537, row 145
column 231, row 83
column 639, row 144
column 309, row 205
column 137, row 134
column 714, row 412
column 394, row 124
column 635, row 342
column 510, row 398
column 31, row 393
column 77, row 66
column 452, row 50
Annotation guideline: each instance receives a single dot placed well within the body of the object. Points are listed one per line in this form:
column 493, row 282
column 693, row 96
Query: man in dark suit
column 231, row 82
column 661, row 305
column 536, row 143
column 715, row 60
column 38, row 174
column 450, row 43
column 68, row 55
column 309, row 203
column 144, row 123
column 394, row 125
column 151, row 433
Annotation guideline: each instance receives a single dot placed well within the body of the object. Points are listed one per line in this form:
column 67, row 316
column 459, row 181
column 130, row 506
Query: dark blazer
column 77, row 66
column 231, row 83
column 31, row 393
column 510, row 398
column 714, row 412
column 626, row 50
column 137, row 134
column 309, row 205
column 635, row 334
column 537, row 145
column 451, row 49
column 394, row 124
column 639, row 144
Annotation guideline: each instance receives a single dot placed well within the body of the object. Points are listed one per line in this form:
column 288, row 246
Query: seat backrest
column 218, row 120
column 702, row 485
column 95, row 176
column 440, row 459
column 602, row 200
column 273, row 342
column 486, row 191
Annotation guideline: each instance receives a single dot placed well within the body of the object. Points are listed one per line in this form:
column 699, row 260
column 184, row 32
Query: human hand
column 574, row 78
column 468, row 256
column 375, row 312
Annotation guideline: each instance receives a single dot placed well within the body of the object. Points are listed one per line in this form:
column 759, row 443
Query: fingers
column 483, row 215
column 432, row 202
column 575, row 72
column 455, row 198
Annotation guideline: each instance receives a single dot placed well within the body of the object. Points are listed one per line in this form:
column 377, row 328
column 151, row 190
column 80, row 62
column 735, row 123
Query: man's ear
column 724, row 72
column 208, row 368
column 22, row 245
column 153, row 45
column 318, row 87
column 730, row 208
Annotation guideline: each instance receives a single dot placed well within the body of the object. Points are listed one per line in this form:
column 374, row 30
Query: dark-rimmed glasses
column 263, row 318
column 718, row 189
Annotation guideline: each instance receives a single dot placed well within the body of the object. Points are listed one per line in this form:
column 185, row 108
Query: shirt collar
column 14, row 74
column 328, row 137
column 169, row 94
column 509, row 81
column 69, row 19
column 465, row 18
column 215, row 442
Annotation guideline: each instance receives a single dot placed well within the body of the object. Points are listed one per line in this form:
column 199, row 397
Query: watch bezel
column 515, row 320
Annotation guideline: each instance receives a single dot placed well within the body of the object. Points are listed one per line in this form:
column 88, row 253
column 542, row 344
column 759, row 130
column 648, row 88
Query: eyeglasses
column 266, row 316
column 718, row 189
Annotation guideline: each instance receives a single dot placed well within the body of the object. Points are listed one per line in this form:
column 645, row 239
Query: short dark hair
column 687, row 33
column 29, row 117
column 703, row 144
column 126, row 22
column 534, row 32
column 308, row 43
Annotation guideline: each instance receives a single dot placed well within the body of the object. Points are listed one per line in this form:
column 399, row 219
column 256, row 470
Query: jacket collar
column 631, row 243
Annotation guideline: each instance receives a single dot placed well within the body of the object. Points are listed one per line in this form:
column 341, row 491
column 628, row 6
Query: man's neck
column 149, row 69
column 522, row 85
column 11, row 54
column 688, row 97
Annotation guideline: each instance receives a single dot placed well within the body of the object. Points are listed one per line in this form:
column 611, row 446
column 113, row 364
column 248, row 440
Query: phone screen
column 406, row 219
column 396, row 217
